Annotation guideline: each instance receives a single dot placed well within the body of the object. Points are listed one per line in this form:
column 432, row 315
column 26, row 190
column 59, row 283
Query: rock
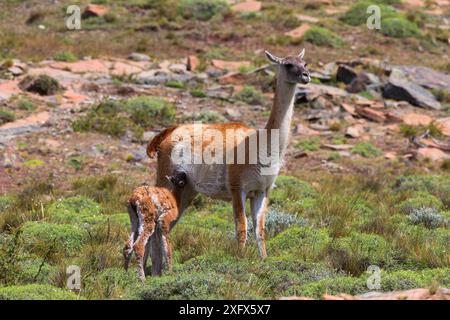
column 193, row 62
column 338, row 147
column 15, row 71
column 364, row 81
column 426, row 77
column 230, row 65
column 326, row 72
column 8, row 89
column 179, row 68
column 390, row 155
column 233, row 113
column 371, row 114
column 138, row 57
column 433, row 154
column 43, row 85
column 444, row 125
column 305, row 131
column 311, row 91
column 83, row 66
column 157, row 77
column 400, row 88
column 220, row 92
column 416, row 119
column 298, row 32
column 349, row 108
column 94, row 10
column 30, row 124
column 305, row 18
column 247, row 6
column 73, row 96
column 354, row 131
column 346, row 74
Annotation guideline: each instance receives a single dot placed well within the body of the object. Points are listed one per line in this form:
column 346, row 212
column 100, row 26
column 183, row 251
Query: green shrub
column 399, row 27
column 276, row 222
column 292, row 195
column 149, row 111
column 27, row 105
column 43, row 85
column 207, row 116
column 198, row 93
column 323, row 37
column 40, row 237
column 6, row 116
column 355, row 253
column 202, row 9
column 251, row 96
column 334, row 286
column 73, row 210
column 6, row 202
column 436, row 185
column 36, row 292
column 182, row 286
column 33, row 163
column 420, row 200
column 366, row 149
column 357, row 14
column 175, row 84
column 110, row 283
column 66, row 56
column 310, row 144
column 306, row 242
column 429, row 217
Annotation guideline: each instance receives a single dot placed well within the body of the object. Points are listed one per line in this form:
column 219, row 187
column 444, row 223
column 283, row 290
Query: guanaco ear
column 273, row 58
column 302, row 54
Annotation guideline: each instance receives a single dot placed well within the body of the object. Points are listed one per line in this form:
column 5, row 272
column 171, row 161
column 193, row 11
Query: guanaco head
column 292, row 69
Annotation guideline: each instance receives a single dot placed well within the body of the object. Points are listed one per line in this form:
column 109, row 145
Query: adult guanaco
column 234, row 180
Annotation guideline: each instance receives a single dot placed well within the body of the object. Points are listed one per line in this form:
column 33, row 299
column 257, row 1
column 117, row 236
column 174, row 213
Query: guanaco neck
column 281, row 113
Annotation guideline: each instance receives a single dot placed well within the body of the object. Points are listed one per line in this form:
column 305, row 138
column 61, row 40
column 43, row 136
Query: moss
column 73, row 210
column 323, row 37
column 307, row 242
column 366, row 149
column 355, row 253
column 36, row 292
column 399, row 28
column 198, row 93
column 251, row 96
column 202, row 9
column 6, row 116
column 33, row 163
column 175, row 84
column 41, row 237
column 66, row 56
column 420, row 200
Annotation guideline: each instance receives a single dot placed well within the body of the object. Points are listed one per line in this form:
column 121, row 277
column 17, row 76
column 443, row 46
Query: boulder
column 400, row 88
column 346, row 74
column 426, row 77
column 193, row 62
column 444, row 125
column 433, row 154
column 299, row 32
column 94, row 10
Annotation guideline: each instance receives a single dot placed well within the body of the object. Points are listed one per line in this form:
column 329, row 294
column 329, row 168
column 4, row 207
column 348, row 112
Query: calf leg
column 258, row 206
column 139, row 247
column 128, row 248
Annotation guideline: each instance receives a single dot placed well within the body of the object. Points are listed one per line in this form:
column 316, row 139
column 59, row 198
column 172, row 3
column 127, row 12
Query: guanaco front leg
column 240, row 220
column 258, row 205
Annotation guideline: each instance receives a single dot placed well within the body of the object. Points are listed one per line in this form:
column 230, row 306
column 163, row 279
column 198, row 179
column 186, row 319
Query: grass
column 366, row 149
column 310, row 144
column 65, row 56
column 319, row 239
column 202, row 10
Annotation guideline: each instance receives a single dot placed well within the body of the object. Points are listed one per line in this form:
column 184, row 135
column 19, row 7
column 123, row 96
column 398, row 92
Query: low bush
column 202, row 9
column 36, row 292
column 323, row 37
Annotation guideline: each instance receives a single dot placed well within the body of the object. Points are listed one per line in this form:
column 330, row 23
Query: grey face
column 293, row 68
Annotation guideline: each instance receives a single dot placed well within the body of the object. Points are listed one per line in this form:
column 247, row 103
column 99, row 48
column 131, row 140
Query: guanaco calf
column 153, row 210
